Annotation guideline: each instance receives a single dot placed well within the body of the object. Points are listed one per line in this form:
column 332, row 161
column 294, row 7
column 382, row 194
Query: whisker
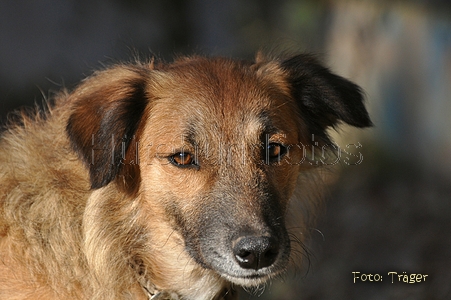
column 320, row 232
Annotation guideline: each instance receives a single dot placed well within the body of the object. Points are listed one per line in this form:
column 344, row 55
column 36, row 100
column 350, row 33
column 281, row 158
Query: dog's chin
column 249, row 278
column 249, row 281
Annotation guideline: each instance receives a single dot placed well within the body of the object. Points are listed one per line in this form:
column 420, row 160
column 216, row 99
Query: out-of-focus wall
column 401, row 55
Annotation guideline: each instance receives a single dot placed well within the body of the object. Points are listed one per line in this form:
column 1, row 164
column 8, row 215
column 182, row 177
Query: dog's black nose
column 255, row 252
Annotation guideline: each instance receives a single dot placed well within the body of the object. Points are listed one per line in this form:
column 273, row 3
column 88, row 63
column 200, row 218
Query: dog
column 155, row 180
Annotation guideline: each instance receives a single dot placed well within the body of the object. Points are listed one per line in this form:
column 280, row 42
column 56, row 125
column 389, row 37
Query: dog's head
column 211, row 149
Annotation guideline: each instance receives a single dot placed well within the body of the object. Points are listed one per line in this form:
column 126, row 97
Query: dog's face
column 212, row 150
column 215, row 165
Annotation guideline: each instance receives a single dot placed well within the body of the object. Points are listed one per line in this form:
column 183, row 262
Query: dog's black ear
column 324, row 99
column 103, row 127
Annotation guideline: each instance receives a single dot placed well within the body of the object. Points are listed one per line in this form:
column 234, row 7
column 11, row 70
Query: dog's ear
column 324, row 99
column 104, row 124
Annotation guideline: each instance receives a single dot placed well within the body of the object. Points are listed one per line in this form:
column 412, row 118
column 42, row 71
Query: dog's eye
column 275, row 152
column 182, row 159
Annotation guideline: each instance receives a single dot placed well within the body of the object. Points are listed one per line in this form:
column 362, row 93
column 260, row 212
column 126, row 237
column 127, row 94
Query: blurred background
column 390, row 213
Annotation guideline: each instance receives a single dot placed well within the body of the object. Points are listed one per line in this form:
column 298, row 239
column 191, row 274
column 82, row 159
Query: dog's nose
column 255, row 252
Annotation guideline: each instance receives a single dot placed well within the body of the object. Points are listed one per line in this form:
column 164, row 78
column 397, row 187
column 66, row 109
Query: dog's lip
column 252, row 277
column 250, row 280
column 245, row 277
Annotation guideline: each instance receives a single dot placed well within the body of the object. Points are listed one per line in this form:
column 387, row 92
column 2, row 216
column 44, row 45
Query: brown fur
column 91, row 206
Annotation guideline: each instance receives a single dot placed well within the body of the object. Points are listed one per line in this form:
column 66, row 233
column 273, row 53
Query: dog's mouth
column 251, row 280
column 250, row 261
